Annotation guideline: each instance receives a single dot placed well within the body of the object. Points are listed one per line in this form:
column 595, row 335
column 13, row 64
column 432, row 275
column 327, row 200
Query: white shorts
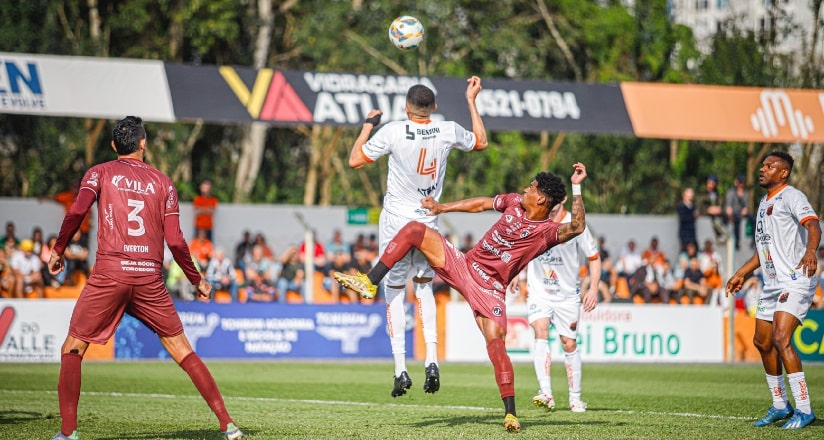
column 563, row 313
column 795, row 301
column 413, row 263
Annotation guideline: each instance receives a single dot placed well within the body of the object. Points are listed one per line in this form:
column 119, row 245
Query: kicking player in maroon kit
column 523, row 232
column 137, row 210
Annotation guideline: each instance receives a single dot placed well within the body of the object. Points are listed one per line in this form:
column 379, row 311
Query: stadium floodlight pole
column 308, row 262
column 730, row 304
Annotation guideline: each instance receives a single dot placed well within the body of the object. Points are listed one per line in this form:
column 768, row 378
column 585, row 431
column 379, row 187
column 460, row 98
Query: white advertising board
column 611, row 333
column 33, row 330
column 51, row 85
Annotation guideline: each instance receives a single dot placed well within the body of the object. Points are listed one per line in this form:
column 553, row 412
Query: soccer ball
column 406, row 32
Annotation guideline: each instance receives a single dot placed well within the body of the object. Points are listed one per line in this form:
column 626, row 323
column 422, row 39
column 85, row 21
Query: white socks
column 396, row 323
column 801, row 395
column 542, row 360
column 428, row 312
column 573, row 369
column 777, row 390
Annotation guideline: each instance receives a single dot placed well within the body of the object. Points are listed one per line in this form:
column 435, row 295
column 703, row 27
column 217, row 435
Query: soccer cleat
column 359, row 283
column 544, row 400
column 577, row 406
column 511, row 423
column 799, row 420
column 232, row 432
column 773, row 415
column 433, row 379
column 61, row 436
column 402, row 383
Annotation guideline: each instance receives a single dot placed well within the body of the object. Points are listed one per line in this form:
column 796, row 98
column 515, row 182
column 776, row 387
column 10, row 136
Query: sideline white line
column 348, row 403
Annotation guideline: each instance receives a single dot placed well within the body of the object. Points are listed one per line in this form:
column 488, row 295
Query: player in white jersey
column 554, row 297
column 418, row 149
column 787, row 234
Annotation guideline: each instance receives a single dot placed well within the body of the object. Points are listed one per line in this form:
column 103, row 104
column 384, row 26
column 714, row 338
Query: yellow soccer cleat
column 359, row 283
column 511, row 423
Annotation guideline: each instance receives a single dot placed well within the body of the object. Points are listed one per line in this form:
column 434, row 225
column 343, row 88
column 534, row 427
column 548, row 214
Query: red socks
column 68, row 391
column 410, row 236
column 205, row 383
column 504, row 376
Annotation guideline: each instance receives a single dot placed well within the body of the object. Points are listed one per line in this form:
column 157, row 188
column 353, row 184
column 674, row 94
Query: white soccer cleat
column 577, row 406
column 544, row 400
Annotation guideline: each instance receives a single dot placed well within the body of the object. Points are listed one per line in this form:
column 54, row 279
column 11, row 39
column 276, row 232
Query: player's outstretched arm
column 356, row 157
column 576, row 226
column 472, row 89
column 476, row 204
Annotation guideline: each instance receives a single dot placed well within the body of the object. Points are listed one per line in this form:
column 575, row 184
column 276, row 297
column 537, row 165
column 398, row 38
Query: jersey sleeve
column 801, row 208
column 379, row 144
column 503, row 201
column 464, row 139
column 588, row 245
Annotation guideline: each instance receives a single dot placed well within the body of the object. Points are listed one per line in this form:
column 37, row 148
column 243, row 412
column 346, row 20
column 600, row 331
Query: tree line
column 595, row 41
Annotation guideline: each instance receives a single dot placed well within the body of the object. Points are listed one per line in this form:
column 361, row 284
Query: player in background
column 554, row 296
column 523, row 232
column 787, row 234
column 139, row 209
column 418, row 149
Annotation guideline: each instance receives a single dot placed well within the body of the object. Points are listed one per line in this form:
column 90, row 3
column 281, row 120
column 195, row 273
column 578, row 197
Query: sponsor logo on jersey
column 172, row 199
column 508, row 218
column 93, row 178
column 491, row 249
column 506, row 257
column 783, row 298
column 428, row 131
column 481, row 273
column 497, row 311
column 427, row 191
column 524, row 233
column 109, row 216
column 122, row 183
column 496, row 237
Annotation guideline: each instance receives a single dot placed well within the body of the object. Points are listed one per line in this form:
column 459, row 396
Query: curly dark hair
column 552, row 186
column 127, row 134
column 421, row 97
column 785, row 157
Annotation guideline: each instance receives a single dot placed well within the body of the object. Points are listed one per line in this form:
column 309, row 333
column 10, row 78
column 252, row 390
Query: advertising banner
column 617, row 333
column 84, row 87
column 268, row 331
column 32, row 330
column 808, row 338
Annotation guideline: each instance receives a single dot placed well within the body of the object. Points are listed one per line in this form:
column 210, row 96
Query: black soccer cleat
column 433, row 379
column 402, row 383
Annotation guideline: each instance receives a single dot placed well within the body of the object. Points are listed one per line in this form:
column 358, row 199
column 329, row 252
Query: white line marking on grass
column 348, row 403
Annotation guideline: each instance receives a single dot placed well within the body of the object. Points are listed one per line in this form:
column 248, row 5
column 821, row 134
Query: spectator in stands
column 467, row 243
column 26, row 266
column 66, row 198
column 713, row 282
column 243, row 250
column 292, row 275
column 177, row 283
column 645, row 284
column 629, row 260
column 45, row 253
column 6, row 275
column 669, row 283
column 268, row 252
column 201, row 248
column 684, row 259
column 736, row 205
column 372, row 246
column 77, row 258
column 37, row 239
column 709, row 257
column 709, row 203
column 318, row 256
column 687, row 214
column 695, row 284
column 653, row 255
column 204, row 205
column 9, row 240
column 260, row 271
column 220, row 273
column 609, row 275
column 336, row 245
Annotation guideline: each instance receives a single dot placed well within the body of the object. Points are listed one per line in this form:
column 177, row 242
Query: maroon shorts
column 482, row 298
column 103, row 300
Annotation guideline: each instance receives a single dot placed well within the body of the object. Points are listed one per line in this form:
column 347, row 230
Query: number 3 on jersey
column 137, row 206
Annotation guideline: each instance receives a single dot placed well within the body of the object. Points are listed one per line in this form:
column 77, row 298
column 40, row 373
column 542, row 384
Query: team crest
column 769, row 210
column 574, row 326
column 783, row 298
column 497, row 311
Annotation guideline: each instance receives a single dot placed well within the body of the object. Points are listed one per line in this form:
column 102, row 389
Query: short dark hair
column 552, row 186
column 421, row 97
column 127, row 134
column 785, row 157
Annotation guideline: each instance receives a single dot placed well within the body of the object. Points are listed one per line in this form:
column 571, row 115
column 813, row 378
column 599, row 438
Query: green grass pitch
column 351, row 400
